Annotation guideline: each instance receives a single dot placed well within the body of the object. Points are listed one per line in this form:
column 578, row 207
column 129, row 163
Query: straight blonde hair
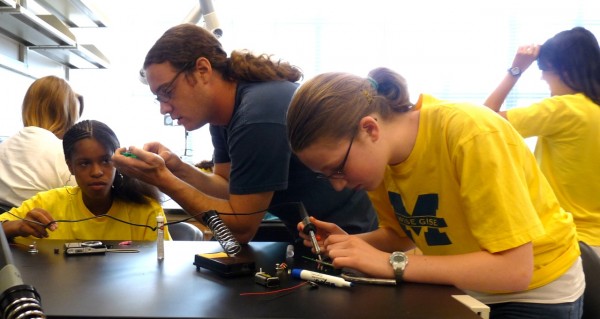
column 50, row 103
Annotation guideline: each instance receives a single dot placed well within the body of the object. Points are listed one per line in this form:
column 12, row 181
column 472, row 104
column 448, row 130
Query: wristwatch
column 398, row 260
column 515, row 71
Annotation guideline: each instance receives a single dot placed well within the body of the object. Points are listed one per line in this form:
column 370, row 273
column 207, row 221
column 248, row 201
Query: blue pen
column 320, row 278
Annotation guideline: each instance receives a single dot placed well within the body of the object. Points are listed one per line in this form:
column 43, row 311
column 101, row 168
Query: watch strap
column 398, row 266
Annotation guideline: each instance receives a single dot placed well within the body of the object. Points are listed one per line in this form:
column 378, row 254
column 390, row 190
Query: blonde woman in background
column 32, row 160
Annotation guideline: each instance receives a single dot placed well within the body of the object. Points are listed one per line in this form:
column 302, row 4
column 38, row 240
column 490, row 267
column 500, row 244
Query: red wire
column 273, row 291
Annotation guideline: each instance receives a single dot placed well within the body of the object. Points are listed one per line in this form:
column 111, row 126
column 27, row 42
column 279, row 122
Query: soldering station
column 233, row 261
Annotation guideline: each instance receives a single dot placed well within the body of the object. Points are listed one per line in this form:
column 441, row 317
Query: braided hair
column 124, row 187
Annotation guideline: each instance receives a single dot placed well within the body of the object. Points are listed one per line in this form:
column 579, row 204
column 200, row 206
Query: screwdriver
column 309, row 229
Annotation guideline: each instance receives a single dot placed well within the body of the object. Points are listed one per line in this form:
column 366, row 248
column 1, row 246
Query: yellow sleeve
column 385, row 212
column 20, row 212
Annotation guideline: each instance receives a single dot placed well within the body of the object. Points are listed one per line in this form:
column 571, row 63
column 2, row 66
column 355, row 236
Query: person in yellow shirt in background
column 454, row 179
column 567, row 124
column 102, row 191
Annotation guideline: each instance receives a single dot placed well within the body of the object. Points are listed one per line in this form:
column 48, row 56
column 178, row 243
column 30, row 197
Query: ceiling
column 132, row 25
column 141, row 13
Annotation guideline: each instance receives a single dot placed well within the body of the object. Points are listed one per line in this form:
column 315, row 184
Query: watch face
column 515, row 71
column 398, row 258
column 399, row 261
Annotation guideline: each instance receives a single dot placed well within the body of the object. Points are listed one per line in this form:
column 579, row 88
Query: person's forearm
column 192, row 200
column 195, row 202
column 381, row 239
column 210, row 184
column 479, row 271
column 496, row 99
column 525, row 56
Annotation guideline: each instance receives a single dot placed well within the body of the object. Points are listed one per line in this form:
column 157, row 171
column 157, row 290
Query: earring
column 118, row 182
column 66, row 186
column 68, row 180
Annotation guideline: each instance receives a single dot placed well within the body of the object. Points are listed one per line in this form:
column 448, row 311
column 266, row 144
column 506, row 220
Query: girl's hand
column 324, row 230
column 525, row 56
column 35, row 224
column 353, row 252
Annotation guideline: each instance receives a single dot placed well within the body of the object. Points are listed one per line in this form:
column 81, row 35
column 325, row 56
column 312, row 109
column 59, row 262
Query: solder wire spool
column 222, row 233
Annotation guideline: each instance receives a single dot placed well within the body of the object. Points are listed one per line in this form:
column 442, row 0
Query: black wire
column 78, row 220
column 142, row 225
column 232, row 214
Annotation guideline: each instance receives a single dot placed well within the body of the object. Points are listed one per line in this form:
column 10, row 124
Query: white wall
column 15, row 78
column 453, row 49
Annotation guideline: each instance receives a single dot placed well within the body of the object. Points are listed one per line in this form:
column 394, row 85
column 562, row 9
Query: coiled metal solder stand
column 17, row 300
column 222, row 233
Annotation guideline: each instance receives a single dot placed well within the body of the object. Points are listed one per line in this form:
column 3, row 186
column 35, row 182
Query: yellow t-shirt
column 471, row 184
column 568, row 153
column 66, row 203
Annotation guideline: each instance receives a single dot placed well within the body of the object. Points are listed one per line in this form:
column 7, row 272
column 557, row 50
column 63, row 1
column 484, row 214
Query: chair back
column 5, row 208
column 185, row 231
column 591, row 295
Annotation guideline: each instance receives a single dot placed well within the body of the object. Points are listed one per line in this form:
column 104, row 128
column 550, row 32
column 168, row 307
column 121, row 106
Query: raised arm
column 523, row 59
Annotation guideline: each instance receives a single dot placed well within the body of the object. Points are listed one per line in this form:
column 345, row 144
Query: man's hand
column 147, row 166
column 172, row 161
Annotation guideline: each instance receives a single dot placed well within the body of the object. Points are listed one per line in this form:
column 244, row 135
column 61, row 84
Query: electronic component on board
column 93, row 248
column 128, row 154
column 262, row 278
column 83, row 249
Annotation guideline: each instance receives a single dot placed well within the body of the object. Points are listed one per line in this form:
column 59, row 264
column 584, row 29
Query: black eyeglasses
column 165, row 93
column 338, row 173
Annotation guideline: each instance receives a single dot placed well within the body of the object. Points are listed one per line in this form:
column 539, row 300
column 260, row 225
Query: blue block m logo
column 423, row 219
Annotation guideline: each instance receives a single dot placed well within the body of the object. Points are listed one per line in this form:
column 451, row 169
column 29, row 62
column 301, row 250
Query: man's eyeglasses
column 338, row 173
column 165, row 93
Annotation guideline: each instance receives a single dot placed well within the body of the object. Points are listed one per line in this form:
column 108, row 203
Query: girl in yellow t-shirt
column 567, row 124
column 453, row 179
column 101, row 190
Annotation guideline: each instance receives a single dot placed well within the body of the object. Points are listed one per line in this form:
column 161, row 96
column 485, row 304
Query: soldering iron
column 309, row 229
